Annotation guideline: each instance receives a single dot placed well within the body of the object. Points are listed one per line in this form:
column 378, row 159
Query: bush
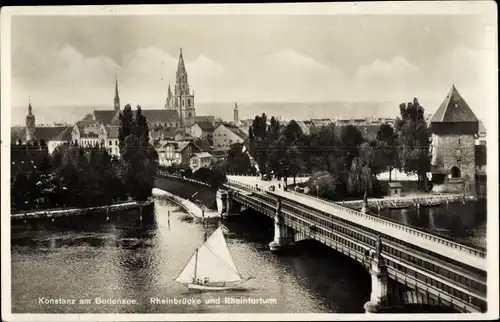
column 202, row 174
column 322, row 184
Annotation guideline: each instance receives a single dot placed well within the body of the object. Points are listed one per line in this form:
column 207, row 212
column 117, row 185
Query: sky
column 73, row 60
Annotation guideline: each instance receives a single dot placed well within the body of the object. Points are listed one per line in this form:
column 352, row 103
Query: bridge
column 407, row 266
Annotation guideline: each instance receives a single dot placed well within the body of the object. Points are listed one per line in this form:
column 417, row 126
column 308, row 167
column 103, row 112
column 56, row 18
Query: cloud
column 389, row 71
column 68, row 77
column 384, row 79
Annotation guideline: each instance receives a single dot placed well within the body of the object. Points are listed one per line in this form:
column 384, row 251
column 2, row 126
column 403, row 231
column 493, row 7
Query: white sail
column 212, row 260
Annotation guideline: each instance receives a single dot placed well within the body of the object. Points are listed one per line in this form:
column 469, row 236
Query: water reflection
column 463, row 223
column 125, row 257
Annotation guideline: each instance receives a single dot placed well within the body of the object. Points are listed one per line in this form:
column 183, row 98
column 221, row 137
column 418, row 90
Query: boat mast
column 195, row 263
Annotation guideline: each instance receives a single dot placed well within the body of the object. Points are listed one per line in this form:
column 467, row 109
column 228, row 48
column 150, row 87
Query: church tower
column 454, row 127
column 30, row 124
column 169, row 103
column 184, row 98
column 236, row 117
column 117, row 97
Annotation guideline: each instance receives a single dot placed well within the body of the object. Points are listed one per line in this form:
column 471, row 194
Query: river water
column 129, row 259
column 463, row 223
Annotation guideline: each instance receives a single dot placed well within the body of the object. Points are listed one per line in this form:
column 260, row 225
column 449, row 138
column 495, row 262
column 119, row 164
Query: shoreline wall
column 190, row 207
column 50, row 213
column 186, row 188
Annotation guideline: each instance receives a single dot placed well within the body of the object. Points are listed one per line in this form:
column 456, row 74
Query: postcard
column 307, row 161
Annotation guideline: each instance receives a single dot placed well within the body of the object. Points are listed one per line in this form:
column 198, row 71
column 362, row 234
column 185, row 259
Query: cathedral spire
column 181, row 68
column 30, row 109
column 117, row 96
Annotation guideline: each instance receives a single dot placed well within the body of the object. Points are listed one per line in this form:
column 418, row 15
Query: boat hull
column 208, row 288
column 217, row 287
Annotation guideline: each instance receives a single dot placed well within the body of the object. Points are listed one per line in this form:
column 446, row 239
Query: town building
column 226, row 134
column 454, row 127
column 219, row 155
column 56, row 136
column 203, row 130
column 481, row 136
column 53, row 136
column 109, row 139
column 200, row 160
column 166, row 153
column 206, row 118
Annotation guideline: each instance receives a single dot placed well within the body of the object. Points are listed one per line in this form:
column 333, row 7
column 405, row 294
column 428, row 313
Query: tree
column 33, row 187
column 322, row 184
column 386, row 146
column 238, row 162
column 217, row 178
column 413, row 140
column 139, row 159
column 284, row 156
column 126, row 125
column 261, row 137
column 360, row 178
column 19, row 188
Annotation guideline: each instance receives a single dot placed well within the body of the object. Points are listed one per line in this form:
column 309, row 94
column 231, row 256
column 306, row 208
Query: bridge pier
column 226, row 205
column 380, row 282
column 283, row 235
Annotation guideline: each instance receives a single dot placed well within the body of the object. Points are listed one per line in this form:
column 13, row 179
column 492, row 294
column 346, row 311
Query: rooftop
column 158, row 116
column 206, row 126
column 53, row 133
column 454, row 109
column 203, row 155
column 106, row 117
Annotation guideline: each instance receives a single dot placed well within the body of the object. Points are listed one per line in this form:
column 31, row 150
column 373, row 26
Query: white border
column 486, row 9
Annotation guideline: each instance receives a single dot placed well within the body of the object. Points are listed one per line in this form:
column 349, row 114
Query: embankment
column 52, row 213
column 191, row 208
column 185, row 189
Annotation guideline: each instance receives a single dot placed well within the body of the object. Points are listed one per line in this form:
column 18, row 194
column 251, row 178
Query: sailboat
column 211, row 267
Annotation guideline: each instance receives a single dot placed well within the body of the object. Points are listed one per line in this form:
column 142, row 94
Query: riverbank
column 185, row 189
column 190, row 207
column 419, row 200
column 51, row 213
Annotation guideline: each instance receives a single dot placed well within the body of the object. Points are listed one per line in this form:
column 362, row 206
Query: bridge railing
column 413, row 198
column 178, row 177
column 381, row 221
column 406, row 229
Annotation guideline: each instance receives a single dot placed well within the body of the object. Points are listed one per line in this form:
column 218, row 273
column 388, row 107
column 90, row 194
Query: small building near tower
column 394, row 189
column 454, row 127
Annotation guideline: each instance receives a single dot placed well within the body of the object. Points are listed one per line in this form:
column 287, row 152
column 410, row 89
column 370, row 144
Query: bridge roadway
column 454, row 273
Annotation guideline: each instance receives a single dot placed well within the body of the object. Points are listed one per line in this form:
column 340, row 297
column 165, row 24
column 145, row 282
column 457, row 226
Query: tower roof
column 116, row 88
column 454, row 109
column 180, row 67
column 235, row 105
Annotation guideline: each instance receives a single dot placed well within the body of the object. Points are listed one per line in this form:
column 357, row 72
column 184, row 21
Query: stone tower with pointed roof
column 30, row 124
column 236, row 117
column 454, row 127
column 117, row 97
column 183, row 97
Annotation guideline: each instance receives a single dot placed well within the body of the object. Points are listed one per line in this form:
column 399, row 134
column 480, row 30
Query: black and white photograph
column 227, row 162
